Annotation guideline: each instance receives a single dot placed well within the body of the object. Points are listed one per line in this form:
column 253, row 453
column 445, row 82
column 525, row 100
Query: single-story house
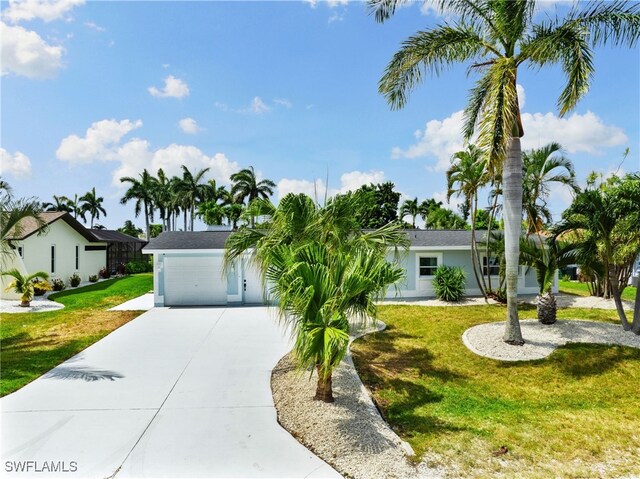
column 121, row 248
column 189, row 268
column 64, row 246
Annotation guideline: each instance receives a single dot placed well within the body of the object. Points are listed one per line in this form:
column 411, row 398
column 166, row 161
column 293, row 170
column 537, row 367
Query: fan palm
column 23, row 284
column 92, row 204
column 497, row 38
column 469, row 172
column 143, row 192
column 542, row 167
column 322, row 268
column 410, row 208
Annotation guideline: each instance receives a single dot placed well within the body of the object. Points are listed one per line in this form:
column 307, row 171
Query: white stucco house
column 189, row 268
column 63, row 246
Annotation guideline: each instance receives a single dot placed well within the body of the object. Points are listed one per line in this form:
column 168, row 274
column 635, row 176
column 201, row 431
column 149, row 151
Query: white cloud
column 336, row 17
column 258, row 106
column 283, row 102
column 576, row 133
column 47, row 10
column 189, row 126
column 173, row 88
column 440, row 139
column 587, row 133
column 94, row 26
column 522, row 97
column 98, row 142
column 349, row 181
column 25, row 53
column 17, row 165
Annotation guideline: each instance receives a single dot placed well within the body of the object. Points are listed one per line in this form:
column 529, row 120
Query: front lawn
column 573, row 414
column 33, row 343
column 582, row 289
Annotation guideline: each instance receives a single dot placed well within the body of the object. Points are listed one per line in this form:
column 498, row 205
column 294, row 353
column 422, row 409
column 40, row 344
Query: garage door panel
column 194, row 281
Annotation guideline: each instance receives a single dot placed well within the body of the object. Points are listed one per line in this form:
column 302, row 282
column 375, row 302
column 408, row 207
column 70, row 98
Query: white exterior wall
column 36, row 251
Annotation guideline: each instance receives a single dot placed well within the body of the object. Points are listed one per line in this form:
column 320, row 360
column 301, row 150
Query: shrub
column 58, row 284
column 40, row 286
column 120, row 269
column 104, row 273
column 448, row 283
column 93, row 278
column 135, row 267
column 75, row 280
column 565, row 277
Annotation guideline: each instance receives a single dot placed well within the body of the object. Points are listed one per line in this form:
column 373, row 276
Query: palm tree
column 60, row 203
column 426, row 207
column 12, row 214
column 92, row 204
column 498, row 37
column 469, row 172
column 23, row 284
column 5, row 189
column 142, row 191
column 410, row 208
column 542, row 167
column 321, row 268
column 190, row 190
column 162, row 198
column 546, row 258
column 247, row 187
column 130, row 229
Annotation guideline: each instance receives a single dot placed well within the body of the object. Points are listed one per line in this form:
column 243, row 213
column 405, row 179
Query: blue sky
column 92, row 91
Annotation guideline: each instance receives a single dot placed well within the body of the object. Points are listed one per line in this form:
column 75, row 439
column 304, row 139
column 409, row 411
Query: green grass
column 33, row 343
column 581, row 289
column 560, row 417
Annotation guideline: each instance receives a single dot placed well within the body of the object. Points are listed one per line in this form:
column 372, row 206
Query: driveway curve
column 174, row 393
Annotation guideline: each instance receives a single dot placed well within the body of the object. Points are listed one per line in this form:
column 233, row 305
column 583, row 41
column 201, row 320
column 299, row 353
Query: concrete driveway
column 174, row 393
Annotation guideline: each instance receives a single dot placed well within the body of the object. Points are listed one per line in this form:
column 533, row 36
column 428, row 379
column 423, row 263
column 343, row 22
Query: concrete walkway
column 174, row 393
column 141, row 303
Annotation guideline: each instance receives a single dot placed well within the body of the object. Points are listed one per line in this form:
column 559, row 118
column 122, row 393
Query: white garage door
column 194, row 281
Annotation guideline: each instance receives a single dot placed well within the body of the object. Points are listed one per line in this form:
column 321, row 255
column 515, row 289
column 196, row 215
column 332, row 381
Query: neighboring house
column 121, row 248
column 64, row 247
column 189, row 268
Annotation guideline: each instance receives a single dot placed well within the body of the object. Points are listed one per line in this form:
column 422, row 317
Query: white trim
column 429, row 278
column 439, row 248
column 181, row 251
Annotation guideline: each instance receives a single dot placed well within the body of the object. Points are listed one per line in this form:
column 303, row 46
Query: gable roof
column 29, row 226
column 115, row 236
column 198, row 240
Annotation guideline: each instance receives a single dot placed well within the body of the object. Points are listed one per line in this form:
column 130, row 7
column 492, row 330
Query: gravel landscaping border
column 39, row 304
column 349, row 434
column 541, row 340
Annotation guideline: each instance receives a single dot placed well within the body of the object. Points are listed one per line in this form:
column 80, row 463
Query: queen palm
column 247, row 187
column 191, row 190
column 468, row 172
column 142, row 191
column 542, row 167
column 322, row 268
column 497, row 37
column 162, row 198
column 92, row 204
column 410, row 208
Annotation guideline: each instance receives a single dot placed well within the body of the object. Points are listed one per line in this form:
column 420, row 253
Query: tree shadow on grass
column 586, row 360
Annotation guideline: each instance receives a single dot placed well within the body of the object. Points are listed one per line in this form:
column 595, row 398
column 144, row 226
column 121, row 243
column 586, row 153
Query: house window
column 77, row 257
column 428, row 265
column 21, row 251
column 494, row 266
column 53, row 258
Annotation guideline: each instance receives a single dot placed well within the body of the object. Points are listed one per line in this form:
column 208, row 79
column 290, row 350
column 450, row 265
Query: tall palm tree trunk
column 474, row 250
column 512, row 188
column 324, row 391
column 615, row 292
column 492, row 217
column 184, row 212
column 635, row 327
column 146, row 221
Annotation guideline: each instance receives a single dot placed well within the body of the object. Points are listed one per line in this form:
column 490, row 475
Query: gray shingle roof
column 443, row 238
column 216, row 239
column 188, row 240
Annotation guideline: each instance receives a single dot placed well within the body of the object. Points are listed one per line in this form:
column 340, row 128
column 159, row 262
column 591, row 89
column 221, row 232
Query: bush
column 120, row 269
column 58, row 284
column 449, row 282
column 40, row 286
column 93, row 278
column 135, row 267
column 565, row 277
column 104, row 273
column 75, row 280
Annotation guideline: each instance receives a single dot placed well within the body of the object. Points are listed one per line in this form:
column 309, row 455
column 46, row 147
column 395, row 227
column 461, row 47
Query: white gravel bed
column 541, row 340
column 39, row 304
column 587, row 302
column 466, row 301
column 349, row 434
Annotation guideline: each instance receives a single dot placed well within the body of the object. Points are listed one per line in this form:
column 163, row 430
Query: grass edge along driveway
column 573, row 414
column 33, row 343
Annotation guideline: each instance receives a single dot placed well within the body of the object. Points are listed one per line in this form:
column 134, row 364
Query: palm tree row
column 191, row 196
column 89, row 203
